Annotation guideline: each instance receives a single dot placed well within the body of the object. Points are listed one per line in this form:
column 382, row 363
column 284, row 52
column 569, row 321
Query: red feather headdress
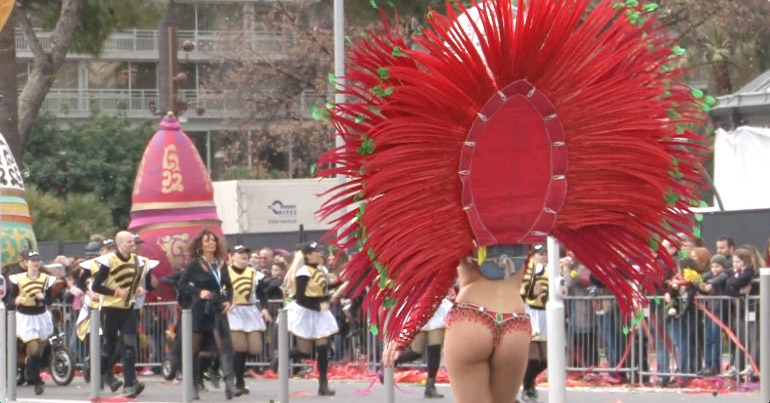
column 540, row 119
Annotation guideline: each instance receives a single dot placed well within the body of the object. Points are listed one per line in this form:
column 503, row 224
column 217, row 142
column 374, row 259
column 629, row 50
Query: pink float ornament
column 173, row 199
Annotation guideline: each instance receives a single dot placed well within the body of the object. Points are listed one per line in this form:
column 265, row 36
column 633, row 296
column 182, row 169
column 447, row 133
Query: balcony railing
column 143, row 44
column 73, row 103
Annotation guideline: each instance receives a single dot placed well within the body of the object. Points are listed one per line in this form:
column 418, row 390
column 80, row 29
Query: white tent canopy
column 741, row 167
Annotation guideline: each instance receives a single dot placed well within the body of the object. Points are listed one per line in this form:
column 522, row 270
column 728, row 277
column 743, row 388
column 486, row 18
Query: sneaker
column 39, row 388
column 748, row 371
column 731, row 372
column 132, row 392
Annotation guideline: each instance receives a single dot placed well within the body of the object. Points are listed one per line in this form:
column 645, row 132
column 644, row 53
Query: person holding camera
column 206, row 287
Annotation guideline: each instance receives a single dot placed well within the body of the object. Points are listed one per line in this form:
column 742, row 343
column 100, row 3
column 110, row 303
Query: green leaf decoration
column 312, row 169
column 680, row 130
column 673, row 114
column 705, row 107
column 397, row 52
column 359, row 118
column 696, row 232
column 373, row 328
column 367, row 147
column 358, row 197
column 389, row 303
column 656, row 300
column 361, row 171
column 678, row 50
column 370, row 252
column 348, row 40
column 626, row 330
column 390, row 4
column 703, row 204
column 329, row 105
column 654, row 245
column 710, row 101
column 650, row 7
column 632, row 3
column 373, row 3
column 699, row 217
column 383, row 72
column 671, row 197
column 697, row 93
column 618, row 6
column 683, row 254
column 332, row 78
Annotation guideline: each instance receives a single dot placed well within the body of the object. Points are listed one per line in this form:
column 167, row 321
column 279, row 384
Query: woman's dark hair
column 195, row 250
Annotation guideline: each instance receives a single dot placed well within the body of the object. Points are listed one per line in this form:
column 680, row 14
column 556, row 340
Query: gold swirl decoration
column 139, row 175
column 175, row 246
column 172, row 171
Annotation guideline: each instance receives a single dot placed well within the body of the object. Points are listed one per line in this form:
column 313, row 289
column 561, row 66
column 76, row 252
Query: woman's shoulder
column 303, row 271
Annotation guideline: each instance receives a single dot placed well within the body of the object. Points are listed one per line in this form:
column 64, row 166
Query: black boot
column 323, row 368
column 239, row 367
column 33, row 365
column 430, row 390
column 434, row 360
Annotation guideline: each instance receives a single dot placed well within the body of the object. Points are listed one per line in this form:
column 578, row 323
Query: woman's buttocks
column 496, row 295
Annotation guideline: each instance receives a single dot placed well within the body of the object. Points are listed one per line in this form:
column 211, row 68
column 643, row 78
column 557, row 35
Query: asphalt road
column 304, row 391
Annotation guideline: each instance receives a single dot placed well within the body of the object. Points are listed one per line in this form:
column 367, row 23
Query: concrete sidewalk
column 160, row 391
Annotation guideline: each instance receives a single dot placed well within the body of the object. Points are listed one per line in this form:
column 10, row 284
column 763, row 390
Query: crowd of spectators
column 684, row 334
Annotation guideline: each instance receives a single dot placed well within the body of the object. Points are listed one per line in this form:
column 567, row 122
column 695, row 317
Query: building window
column 144, row 76
column 66, row 77
column 107, row 75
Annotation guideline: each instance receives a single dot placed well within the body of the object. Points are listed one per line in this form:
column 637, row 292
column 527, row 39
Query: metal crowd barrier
column 662, row 346
column 598, row 340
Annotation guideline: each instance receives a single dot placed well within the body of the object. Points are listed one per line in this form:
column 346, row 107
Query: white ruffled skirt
column 539, row 322
column 437, row 321
column 34, row 327
column 309, row 324
column 246, row 318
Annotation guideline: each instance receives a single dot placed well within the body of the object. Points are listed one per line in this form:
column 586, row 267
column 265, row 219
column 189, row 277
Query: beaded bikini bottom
column 498, row 323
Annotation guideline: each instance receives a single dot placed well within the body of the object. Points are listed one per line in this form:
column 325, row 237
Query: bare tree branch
column 29, row 33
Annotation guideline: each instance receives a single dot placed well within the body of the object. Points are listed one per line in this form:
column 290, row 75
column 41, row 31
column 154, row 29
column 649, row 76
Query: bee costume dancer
column 506, row 124
column 308, row 315
column 121, row 277
column 31, row 292
column 246, row 319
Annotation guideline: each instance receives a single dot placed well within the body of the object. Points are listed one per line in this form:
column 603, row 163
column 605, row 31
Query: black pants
column 123, row 320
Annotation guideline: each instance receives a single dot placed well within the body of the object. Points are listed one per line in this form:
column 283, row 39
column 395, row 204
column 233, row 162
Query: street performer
column 493, row 128
column 31, row 292
column 120, row 278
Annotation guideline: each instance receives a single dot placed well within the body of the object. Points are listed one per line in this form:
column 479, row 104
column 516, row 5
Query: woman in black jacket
column 208, row 288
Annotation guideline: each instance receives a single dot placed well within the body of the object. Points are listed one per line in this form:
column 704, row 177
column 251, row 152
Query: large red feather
column 633, row 162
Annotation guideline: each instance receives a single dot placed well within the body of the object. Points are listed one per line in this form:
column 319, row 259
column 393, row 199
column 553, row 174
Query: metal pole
column 10, row 370
column 557, row 374
column 339, row 71
column 764, row 326
column 208, row 150
column 96, row 354
column 390, row 385
column 3, row 334
column 283, row 354
column 187, row 356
